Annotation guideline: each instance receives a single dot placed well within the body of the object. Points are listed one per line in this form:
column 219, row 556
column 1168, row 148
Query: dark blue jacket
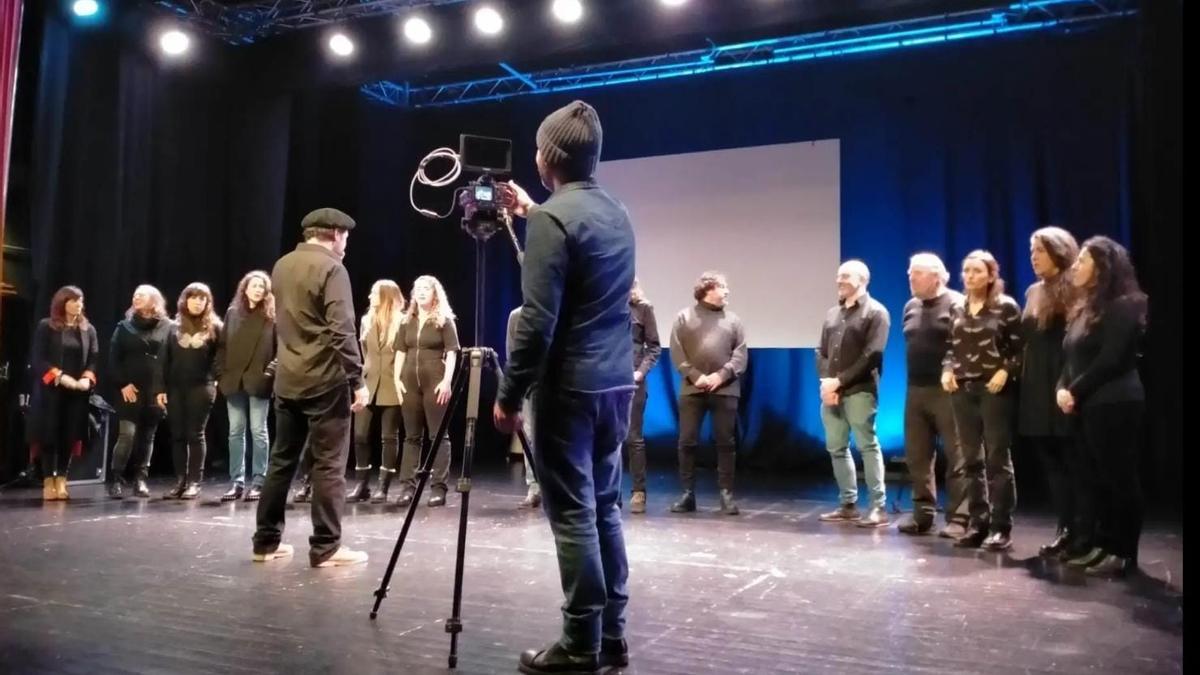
column 574, row 329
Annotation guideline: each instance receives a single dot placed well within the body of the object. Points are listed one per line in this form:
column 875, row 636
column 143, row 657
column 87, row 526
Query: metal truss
column 998, row 20
column 245, row 21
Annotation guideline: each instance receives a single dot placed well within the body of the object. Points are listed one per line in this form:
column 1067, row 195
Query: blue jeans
column 855, row 412
column 578, row 458
column 241, row 406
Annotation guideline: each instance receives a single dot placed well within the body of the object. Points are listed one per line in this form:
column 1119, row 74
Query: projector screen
column 767, row 216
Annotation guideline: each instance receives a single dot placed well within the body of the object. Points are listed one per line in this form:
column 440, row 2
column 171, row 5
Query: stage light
column 174, row 42
column 417, row 31
column 488, row 21
column 567, row 11
column 341, row 45
column 673, row 3
column 85, row 8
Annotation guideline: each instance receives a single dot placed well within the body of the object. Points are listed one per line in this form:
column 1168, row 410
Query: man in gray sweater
column 708, row 347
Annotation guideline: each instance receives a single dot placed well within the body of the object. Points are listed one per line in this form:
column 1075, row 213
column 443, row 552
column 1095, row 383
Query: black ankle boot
column 177, row 491
column 362, row 491
column 116, row 489
column 191, row 491
column 613, row 653
column 385, row 482
column 1060, row 543
column 728, row 506
column 555, row 659
column 686, row 503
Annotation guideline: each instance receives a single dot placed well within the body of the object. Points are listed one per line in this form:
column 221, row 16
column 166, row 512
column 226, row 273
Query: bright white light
column 341, row 45
column 567, row 11
column 488, row 21
column 174, row 42
column 85, row 7
column 417, row 31
column 673, row 3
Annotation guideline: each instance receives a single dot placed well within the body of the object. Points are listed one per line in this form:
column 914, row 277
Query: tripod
column 469, row 375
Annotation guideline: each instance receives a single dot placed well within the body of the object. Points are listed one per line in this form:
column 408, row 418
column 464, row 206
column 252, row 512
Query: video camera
column 492, row 158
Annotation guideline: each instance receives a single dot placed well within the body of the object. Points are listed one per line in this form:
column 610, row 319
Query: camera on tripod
column 492, row 159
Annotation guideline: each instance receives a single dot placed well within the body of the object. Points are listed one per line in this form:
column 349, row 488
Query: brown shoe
column 60, row 486
column 846, row 513
column 876, row 517
column 49, row 490
column 637, row 503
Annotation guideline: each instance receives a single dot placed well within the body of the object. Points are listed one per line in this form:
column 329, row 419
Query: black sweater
column 1101, row 358
column 186, row 359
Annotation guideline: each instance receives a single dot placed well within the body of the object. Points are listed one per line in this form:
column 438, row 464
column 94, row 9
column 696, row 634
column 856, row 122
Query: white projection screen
column 766, row 216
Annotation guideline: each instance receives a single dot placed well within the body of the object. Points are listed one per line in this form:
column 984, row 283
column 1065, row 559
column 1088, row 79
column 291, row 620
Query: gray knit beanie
column 570, row 140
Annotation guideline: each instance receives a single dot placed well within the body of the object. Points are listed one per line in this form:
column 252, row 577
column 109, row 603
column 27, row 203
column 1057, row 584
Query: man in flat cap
column 573, row 338
column 318, row 384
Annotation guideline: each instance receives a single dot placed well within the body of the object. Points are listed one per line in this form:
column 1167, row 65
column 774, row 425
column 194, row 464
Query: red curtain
column 10, row 46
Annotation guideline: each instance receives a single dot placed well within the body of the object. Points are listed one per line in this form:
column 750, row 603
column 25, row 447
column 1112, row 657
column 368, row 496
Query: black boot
column 116, row 489
column 177, row 491
column 234, row 493
column 140, row 488
column 191, row 491
column 304, row 494
column 406, row 496
column 555, row 659
column 1060, row 543
column 613, row 653
column 362, row 491
column 385, row 481
column 686, row 503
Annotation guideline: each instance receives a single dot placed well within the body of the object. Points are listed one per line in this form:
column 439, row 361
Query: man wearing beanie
column 319, row 366
column 572, row 339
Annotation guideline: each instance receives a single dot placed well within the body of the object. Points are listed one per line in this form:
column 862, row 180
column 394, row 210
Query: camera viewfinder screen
column 483, row 193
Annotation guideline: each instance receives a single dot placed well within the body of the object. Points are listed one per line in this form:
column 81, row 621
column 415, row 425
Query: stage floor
column 99, row 586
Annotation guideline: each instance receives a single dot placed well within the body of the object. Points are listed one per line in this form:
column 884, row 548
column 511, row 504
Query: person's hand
column 1066, row 401
column 442, row 392
column 830, row 398
column 361, row 396
column 129, row 393
column 514, row 198
column 638, row 377
column 996, row 384
column 949, row 382
column 703, row 383
column 400, row 387
column 67, row 382
column 506, row 422
column 830, row 384
column 162, row 400
column 84, row 384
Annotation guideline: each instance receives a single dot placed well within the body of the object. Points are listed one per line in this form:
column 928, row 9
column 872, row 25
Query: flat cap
column 328, row 217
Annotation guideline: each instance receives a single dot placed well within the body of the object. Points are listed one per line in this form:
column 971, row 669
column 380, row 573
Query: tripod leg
column 460, row 380
column 454, row 623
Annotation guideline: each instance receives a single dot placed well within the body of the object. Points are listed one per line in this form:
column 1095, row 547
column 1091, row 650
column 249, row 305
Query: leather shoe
column 555, row 659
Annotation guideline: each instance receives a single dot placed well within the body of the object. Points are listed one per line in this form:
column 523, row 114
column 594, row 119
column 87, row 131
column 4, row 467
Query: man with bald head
column 849, row 362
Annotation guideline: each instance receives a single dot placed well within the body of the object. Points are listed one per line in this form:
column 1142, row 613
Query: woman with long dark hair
column 1100, row 385
column 380, row 329
column 64, row 363
column 132, row 360
column 185, row 384
column 984, row 356
column 1052, row 252
column 426, row 353
column 245, row 374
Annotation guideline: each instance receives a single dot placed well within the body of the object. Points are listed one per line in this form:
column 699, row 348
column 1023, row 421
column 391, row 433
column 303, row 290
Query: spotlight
column 488, row 21
column 174, row 42
column 567, row 11
column 673, row 3
column 341, row 45
column 417, row 31
column 85, row 7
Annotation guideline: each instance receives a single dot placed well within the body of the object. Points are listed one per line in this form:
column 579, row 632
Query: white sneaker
column 284, row 551
column 343, row 557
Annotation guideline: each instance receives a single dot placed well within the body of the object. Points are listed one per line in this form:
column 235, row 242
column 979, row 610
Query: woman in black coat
column 1052, row 251
column 64, row 362
column 245, row 375
column 132, row 360
column 1101, row 387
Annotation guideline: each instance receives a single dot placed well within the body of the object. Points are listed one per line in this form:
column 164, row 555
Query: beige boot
column 49, row 491
column 60, row 486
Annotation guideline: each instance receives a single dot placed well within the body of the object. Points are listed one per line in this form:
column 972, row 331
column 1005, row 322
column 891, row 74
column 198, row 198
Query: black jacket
column 47, row 363
column 317, row 346
column 573, row 332
column 1102, row 358
column 246, row 354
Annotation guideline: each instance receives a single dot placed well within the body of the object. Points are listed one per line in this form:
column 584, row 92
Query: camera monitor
column 482, row 154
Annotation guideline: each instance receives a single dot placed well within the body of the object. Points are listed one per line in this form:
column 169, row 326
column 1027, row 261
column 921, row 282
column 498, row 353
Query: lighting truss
column 998, row 20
